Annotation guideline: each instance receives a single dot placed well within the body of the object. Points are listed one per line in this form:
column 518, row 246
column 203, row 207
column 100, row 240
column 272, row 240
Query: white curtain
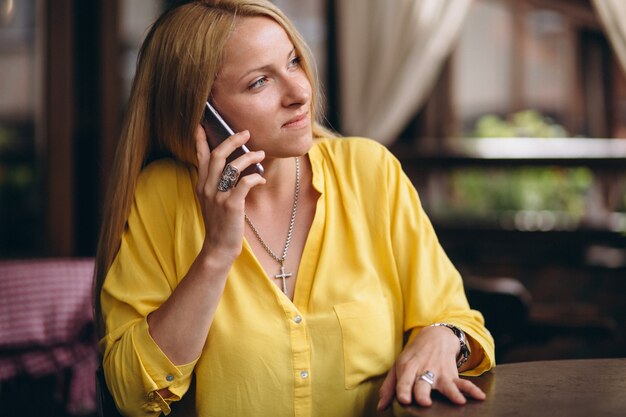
column 612, row 14
column 390, row 53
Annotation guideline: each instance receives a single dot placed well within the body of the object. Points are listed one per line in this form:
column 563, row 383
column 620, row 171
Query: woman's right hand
column 223, row 211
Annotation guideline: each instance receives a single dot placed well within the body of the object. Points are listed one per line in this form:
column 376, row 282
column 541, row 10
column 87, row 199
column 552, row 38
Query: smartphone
column 217, row 131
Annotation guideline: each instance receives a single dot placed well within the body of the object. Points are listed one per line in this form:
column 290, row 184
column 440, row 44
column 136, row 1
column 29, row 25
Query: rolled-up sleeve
column 432, row 288
column 147, row 268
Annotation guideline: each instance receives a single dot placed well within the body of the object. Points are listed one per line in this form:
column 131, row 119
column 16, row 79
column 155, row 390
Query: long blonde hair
column 176, row 68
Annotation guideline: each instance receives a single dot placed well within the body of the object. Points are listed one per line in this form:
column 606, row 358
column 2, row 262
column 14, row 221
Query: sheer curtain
column 390, row 53
column 612, row 14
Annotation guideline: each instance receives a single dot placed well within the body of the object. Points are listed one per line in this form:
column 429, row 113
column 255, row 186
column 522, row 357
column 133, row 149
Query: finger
column 387, row 389
column 247, row 159
column 246, row 184
column 470, row 389
column 221, row 152
column 406, row 374
column 236, row 168
column 422, row 391
column 224, row 149
column 452, row 391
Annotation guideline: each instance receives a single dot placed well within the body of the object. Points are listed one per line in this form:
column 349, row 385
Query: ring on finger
column 428, row 377
column 229, row 178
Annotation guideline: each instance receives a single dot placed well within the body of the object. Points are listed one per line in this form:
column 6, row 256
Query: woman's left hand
column 434, row 349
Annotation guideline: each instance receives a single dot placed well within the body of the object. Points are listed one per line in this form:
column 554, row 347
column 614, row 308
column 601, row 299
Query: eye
column 294, row 62
column 258, row 83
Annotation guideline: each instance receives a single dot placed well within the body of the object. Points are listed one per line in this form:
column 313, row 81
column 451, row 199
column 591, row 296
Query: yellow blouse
column 371, row 271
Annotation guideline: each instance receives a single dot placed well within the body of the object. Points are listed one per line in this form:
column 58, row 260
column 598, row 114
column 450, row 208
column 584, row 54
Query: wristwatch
column 465, row 352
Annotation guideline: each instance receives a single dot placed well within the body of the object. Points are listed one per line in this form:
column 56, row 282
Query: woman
column 317, row 289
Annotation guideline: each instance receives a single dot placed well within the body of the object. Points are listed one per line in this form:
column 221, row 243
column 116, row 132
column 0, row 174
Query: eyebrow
column 264, row 67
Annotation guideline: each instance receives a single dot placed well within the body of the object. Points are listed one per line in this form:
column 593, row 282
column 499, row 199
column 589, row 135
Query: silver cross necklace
column 283, row 275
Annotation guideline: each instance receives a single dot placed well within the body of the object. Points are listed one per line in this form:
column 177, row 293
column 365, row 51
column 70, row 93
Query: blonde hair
column 176, row 68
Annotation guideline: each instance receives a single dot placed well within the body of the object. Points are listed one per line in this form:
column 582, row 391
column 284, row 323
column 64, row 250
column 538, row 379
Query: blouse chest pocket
column 368, row 348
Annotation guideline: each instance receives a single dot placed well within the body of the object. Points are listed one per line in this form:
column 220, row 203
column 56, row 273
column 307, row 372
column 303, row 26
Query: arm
column 199, row 292
column 157, row 323
column 433, row 292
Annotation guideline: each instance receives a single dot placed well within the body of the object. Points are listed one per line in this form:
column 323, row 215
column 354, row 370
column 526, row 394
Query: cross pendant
column 283, row 276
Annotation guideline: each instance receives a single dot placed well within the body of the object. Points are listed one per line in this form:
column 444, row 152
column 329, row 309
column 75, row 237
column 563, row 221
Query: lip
column 297, row 122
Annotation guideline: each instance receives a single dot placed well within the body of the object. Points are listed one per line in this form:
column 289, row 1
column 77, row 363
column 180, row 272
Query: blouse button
column 169, row 377
column 297, row 319
column 304, row 374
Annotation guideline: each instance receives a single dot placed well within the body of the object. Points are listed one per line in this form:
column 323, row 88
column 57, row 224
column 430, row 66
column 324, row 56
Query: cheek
column 245, row 115
column 259, row 114
column 256, row 120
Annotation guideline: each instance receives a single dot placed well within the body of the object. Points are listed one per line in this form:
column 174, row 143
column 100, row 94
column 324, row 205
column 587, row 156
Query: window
column 549, row 56
column 21, row 201
column 135, row 18
column 523, row 72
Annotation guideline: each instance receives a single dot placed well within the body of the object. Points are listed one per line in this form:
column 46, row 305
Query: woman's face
column 262, row 88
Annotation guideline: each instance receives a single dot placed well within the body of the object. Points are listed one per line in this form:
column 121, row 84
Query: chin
column 295, row 145
column 304, row 143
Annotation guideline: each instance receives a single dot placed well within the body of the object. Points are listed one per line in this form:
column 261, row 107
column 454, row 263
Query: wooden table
column 564, row 388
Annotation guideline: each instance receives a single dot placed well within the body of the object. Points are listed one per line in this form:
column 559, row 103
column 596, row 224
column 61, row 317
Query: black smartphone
column 217, row 131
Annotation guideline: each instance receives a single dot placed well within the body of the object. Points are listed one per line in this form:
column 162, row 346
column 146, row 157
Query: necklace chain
column 281, row 260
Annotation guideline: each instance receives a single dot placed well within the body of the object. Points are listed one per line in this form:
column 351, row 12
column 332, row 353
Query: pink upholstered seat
column 46, row 324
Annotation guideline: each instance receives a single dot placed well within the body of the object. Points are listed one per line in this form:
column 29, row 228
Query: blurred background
column 509, row 117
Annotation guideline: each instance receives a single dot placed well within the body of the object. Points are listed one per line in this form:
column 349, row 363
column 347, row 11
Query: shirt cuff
column 485, row 341
column 161, row 371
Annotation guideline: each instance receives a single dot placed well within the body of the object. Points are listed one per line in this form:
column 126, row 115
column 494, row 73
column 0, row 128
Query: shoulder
column 361, row 166
column 355, row 152
column 350, row 147
column 163, row 173
column 165, row 180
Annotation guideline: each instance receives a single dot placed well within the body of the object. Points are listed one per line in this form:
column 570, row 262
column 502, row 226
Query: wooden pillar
column 58, row 152
column 110, row 117
column 81, row 112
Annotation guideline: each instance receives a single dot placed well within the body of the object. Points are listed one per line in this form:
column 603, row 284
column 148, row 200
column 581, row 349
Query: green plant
column 526, row 123
column 489, row 194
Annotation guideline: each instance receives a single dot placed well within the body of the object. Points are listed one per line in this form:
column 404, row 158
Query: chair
column 505, row 304
column 48, row 351
column 524, row 329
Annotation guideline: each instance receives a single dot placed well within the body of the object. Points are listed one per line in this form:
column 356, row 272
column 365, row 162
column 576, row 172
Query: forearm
column 181, row 324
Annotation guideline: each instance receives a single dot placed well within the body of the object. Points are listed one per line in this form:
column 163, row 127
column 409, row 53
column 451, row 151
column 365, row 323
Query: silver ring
column 428, row 377
column 229, row 178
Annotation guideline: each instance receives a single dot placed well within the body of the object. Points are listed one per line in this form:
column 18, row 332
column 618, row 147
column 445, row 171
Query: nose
column 297, row 90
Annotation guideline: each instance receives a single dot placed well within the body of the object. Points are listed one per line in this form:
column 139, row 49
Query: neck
column 280, row 174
